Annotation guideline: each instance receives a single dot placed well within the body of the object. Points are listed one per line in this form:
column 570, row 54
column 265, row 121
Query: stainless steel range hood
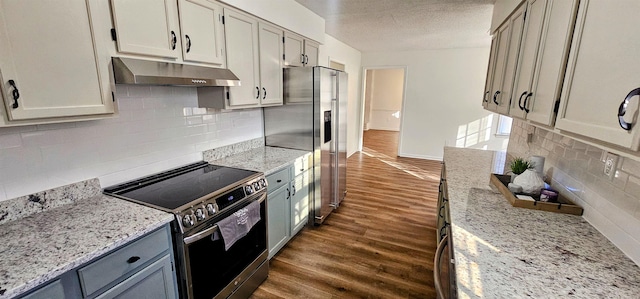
column 144, row 72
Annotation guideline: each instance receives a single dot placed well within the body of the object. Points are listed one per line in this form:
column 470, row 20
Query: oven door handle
column 207, row 232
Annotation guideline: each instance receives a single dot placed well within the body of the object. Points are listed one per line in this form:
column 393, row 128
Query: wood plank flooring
column 380, row 243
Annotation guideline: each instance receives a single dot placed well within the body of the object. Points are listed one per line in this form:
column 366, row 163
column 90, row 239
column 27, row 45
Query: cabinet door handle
column 436, row 267
column 302, row 58
column 288, row 193
column 279, row 181
column 15, row 93
column 133, row 259
column 188, row 43
column 264, row 93
column 306, row 59
column 520, row 100
column 484, row 98
column 257, row 92
column 494, row 97
column 623, row 109
column 174, row 40
column 526, row 102
column 294, row 190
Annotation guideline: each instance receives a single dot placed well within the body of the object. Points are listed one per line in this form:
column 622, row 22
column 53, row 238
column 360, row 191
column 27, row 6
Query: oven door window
column 212, row 268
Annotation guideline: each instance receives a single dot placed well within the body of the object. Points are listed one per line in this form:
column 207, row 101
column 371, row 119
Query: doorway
column 383, row 93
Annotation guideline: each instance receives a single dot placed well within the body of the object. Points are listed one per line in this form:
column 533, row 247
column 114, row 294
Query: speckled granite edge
column 232, row 149
column 24, row 206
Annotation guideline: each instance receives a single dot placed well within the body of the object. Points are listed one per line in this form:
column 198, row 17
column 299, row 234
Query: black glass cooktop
column 174, row 188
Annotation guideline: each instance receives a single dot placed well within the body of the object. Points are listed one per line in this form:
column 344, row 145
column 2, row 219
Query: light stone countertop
column 506, row 252
column 44, row 245
column 265, row 159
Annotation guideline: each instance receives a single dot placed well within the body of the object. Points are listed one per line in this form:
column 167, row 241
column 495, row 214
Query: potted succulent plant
column 518, row 165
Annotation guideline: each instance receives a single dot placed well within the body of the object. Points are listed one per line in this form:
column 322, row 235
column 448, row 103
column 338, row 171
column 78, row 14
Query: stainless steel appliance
column 444, row 271
column 313, row 118
column 200, row 195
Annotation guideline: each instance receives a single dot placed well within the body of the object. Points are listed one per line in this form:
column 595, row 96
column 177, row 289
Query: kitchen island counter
column 507, row 252
column 42, row 246
column 265, row 159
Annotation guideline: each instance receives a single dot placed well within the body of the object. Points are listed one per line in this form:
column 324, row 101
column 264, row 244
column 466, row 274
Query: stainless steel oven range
column 200, row 195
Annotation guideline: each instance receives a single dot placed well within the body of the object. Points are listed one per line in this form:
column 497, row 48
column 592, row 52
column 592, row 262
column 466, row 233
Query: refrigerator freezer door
column 341, row 129
column 325, row 80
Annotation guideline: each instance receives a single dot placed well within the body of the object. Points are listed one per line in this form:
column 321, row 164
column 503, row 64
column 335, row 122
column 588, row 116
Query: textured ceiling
column 405, row 25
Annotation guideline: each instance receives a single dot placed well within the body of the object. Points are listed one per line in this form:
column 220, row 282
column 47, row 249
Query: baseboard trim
column 425, row 157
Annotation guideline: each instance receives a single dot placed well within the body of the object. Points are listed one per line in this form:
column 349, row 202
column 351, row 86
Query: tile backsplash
column 157, row 128
column 612, row 205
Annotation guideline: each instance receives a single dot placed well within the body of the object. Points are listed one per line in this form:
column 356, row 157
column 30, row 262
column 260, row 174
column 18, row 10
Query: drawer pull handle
column 279, row 181
column 622, row 110
column 133, row 259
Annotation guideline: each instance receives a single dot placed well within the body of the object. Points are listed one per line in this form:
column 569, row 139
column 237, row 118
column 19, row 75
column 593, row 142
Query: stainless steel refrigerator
column 313, row 118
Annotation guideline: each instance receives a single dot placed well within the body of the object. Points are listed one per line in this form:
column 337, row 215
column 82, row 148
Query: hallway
column 380, row 243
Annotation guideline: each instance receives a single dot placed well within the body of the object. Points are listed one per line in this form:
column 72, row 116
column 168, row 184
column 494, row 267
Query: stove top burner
column 177, row 187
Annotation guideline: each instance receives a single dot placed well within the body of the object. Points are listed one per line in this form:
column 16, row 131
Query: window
column 504, row 126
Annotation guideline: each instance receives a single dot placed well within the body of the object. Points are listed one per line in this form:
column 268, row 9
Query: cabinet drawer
column 301, row 164
column 278, row 179
column 115, row 265
column 154, row 281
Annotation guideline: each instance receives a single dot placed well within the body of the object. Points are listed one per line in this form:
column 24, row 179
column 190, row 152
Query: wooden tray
column 563, row 205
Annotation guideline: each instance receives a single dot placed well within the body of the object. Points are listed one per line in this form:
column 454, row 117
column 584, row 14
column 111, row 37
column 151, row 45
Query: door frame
column 363, row 90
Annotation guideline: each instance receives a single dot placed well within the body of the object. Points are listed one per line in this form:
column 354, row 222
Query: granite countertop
column 506, row 252
column 265, row 159
column 45, row 245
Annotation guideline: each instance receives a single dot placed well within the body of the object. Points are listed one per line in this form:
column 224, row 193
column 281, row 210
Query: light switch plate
column 610, row 163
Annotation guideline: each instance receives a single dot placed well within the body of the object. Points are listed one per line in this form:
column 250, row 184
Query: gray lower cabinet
column 140, row 269
column 287, row 204
column 278, row 218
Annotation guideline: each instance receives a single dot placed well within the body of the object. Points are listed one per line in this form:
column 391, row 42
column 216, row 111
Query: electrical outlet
column 610, row 163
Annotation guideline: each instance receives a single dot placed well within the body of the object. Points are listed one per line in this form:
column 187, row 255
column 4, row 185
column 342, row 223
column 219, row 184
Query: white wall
column 157, row 128
column 387, row 90
column 336, row 50
column 285, row 13
column 443, row 92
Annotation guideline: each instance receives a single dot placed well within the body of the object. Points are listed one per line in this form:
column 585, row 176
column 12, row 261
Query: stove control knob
column 211, row 209
column 263, row 182
column 257, row 186
column 248, row 189
column 187, row 221
column 200, row 214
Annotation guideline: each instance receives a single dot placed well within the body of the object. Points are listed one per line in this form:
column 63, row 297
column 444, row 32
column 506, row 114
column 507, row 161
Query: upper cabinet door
column 527, row 60
column 148, row 27
column 551, row 61
column 270, row 64
column 517, row 25
column 202, row 31
column 502, row 47
column 311, row 50
column 598, row 98
column 241, row 35
column 49, row 65
column 488, row 86
column 293, row 50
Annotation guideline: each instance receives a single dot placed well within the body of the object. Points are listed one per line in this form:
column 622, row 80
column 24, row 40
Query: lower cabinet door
column 155, row 281
column 52, row 290
column 299, row 202
column 278, row 219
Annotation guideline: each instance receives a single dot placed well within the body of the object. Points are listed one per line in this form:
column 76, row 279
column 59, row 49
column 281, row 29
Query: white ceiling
column 405, row 25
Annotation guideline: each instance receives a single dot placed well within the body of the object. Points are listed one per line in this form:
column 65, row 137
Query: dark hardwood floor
column 380, row 243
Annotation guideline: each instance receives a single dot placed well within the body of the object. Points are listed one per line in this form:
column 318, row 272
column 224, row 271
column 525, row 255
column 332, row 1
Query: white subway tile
column 16, row 130
column 138, row 91
column 9, row 141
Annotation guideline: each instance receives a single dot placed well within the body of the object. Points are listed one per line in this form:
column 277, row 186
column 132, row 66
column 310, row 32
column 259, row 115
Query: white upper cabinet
column 311, row 50
column 202, row 31
column 488, row 86
column 599, row 97
column 270, row 64
column 507, row 45
column 241, row 35
column 299, row 51
column 544, row 51
column 50, row 66
column 147, row 27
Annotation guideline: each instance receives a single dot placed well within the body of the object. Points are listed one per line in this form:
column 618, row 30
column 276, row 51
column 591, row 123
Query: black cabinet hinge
column 113, row 34
column 222, row 20
column 556, row 107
